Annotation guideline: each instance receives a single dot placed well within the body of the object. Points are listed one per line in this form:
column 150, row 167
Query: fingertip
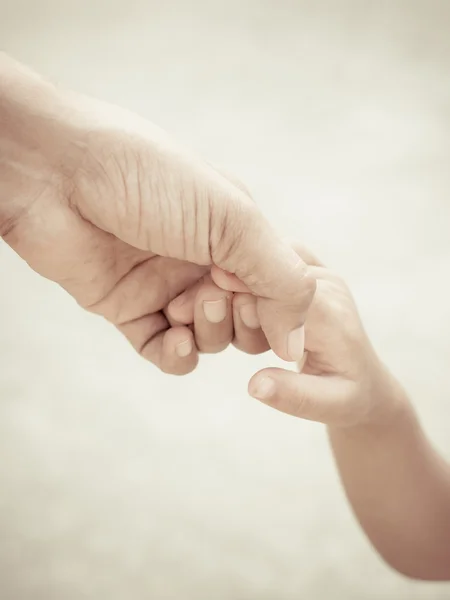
column 262, row 387
column 179, row 353
column 278, row 388
column 269, row 375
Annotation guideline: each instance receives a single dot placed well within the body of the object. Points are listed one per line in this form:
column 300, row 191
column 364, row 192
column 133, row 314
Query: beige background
column 117, row 482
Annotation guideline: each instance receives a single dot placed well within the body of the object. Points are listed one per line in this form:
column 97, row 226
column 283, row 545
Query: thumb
column 312, row 397
column 244, row 244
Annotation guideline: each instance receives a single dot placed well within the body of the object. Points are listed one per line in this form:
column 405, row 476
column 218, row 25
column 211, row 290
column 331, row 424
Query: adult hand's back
column 106, row 205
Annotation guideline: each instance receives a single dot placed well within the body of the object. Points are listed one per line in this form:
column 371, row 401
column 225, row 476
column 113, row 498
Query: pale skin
column 179, row 259
column 397, row 484
column 108, row 206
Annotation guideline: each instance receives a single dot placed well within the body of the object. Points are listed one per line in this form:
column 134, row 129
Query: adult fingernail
column 215, row 310
column 296, row 344
column 263, row 388
column 249, row 316
column 183, row 349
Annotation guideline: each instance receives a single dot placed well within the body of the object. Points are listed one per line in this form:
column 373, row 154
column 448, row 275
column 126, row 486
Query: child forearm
column 399, row 488
column 398, row 485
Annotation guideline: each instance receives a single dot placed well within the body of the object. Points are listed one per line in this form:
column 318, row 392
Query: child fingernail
column 215, row 310
column 296, row 344
column 183, row 349
column 263, row 389
column 249, row 316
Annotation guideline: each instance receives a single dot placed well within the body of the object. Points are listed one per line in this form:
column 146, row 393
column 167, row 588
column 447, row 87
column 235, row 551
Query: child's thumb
column 312, row 397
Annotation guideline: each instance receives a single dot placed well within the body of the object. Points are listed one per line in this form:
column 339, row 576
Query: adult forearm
column 399, row 488
column 33, row 141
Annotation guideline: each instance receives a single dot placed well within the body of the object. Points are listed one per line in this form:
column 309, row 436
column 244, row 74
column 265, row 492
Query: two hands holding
column 176, row 255
column 338, row 370
column 171, row 251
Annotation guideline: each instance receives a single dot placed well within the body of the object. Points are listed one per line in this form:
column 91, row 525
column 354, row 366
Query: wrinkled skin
column 106, row 205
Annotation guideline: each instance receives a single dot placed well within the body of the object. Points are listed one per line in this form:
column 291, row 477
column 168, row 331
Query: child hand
column 341, row 380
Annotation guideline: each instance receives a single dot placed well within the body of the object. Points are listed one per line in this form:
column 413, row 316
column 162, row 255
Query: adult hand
column 108, row 206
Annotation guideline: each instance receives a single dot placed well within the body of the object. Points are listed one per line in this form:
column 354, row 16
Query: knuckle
column 229, row 227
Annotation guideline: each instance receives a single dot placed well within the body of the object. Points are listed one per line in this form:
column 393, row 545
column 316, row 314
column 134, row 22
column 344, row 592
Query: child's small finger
column 248, row 335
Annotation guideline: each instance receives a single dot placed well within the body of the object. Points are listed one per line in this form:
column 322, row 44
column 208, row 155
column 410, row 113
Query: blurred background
column 118, row 482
